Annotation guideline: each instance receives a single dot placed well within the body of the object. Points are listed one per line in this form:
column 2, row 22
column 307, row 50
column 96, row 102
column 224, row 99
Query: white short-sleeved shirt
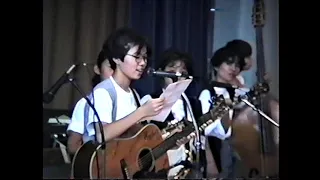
column 103, row 105
column 77, row 119
column 215, row 129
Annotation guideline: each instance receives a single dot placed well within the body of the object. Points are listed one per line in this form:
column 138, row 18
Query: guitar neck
column 260, row 55
column 265, row 127
column 171, row 141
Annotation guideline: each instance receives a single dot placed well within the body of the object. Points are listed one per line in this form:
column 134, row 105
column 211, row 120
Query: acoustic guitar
column 140, row 148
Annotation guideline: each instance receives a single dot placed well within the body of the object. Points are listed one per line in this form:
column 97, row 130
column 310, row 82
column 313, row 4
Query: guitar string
column 144, row 159
column 156, row 150
column 215, row 115
column 148, row 156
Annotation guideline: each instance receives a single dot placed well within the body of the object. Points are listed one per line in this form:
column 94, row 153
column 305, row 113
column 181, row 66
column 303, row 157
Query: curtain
column 185, row 25
column 73, row 32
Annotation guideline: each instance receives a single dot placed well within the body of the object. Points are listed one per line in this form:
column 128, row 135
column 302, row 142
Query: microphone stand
column 49, row 95
column 198, row 174
column 259, row 111
column 262, row 114
column 103, row 142
column 75, row 85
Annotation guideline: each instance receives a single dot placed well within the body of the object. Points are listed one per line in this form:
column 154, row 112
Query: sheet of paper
column 171, row 94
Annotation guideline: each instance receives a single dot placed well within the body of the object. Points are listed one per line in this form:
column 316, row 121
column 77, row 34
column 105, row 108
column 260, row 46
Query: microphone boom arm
column 260, row 112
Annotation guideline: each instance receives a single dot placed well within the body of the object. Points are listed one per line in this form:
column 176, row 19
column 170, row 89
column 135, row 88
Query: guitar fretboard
column 169, row 143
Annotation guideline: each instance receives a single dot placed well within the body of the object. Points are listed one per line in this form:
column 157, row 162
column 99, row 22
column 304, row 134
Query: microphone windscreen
column 150, row 71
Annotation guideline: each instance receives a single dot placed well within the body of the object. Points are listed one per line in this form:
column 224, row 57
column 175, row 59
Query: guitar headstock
column 221, row 107
column 258, row 13
column 260, row 89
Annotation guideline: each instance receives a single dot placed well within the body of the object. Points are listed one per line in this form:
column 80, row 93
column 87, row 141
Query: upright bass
column 255, row 139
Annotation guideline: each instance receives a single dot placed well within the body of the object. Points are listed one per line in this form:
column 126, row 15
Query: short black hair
column 121, row 41
column 104, row 55
column 172, row 55
column 241, row 47
column 226, row 55
column 96, row 79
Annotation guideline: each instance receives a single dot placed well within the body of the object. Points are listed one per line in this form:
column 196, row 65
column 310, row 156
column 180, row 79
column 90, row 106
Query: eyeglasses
column 139, row 58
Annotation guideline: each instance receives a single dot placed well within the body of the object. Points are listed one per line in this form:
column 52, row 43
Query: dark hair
column 226, row 55
column 241, row 48
column 103, row 56
column 121, row 41
column 96, row 79
column 171, row 55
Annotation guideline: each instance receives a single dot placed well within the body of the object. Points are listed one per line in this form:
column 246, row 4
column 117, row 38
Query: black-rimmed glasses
column 139, row 58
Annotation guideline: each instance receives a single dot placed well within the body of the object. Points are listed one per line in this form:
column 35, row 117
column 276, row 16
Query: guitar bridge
column 124, row 169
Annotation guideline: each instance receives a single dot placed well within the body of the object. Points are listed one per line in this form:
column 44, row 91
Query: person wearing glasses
column 128, row 57
column 129, row 54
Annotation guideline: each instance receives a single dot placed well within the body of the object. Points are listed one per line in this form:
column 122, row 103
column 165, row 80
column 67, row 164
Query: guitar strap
column 136, row 97
column 108, row 86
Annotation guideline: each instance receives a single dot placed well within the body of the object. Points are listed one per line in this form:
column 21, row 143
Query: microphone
column 153, row 72
column 49, row 95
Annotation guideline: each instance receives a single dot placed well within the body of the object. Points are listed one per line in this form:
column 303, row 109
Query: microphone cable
column 99, row 123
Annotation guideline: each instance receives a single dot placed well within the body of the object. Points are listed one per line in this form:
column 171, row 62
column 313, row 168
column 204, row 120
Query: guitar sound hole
column 146, row 160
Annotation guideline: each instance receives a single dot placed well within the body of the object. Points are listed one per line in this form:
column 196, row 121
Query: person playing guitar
column 181, row 157
column 130, row 146
column 244, row 50
column 245, row 114
column 128, row 57
column 226, row 64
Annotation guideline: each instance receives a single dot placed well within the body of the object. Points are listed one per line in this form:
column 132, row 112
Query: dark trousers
column 224, row 156
column 228, row 160
column 57, row 172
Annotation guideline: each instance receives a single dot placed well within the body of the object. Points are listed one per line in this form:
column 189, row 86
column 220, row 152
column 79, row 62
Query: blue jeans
column 228, row 160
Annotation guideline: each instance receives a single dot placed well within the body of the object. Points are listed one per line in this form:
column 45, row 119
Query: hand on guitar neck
column 179, row 142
